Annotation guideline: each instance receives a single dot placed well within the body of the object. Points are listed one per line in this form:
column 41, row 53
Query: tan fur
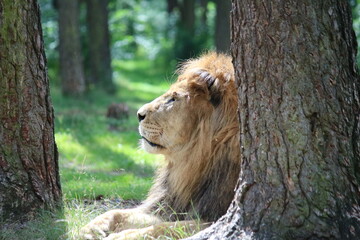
column 195, row 126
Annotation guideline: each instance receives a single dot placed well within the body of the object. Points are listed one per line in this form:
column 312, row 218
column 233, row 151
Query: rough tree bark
column 29, row 177
column 99, row 57
column 299, row 116
column 71, row 64
column 222, row 26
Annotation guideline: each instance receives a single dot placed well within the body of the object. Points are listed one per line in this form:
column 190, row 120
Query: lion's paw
column 94, row 230
column 130, row 234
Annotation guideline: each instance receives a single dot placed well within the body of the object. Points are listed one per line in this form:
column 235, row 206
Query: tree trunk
column 187, row 16
column 99, row 57
column 171, row 5
column 299, row 116
column 222, row 25
column 71, row 66
column 29, row 176
column 204, row 17
column 185, row 45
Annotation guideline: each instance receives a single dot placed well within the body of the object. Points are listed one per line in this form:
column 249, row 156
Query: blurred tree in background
column 222, row 26
column 98, row 58
column 186, row 40
column 71, row 63
column 163, row 31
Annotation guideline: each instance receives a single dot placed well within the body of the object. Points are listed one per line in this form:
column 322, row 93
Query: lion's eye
column 171, row 100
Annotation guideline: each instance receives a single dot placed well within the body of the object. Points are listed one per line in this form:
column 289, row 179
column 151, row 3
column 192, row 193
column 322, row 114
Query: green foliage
column 187, row 45
column 139, row 29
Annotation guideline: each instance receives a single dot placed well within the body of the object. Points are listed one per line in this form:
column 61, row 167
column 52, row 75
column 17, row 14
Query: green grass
column 66, row 223
column 63, row 224
column 49, row 226
column 94, row 160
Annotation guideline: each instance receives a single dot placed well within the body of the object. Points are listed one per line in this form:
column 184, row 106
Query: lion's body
column 195, row 126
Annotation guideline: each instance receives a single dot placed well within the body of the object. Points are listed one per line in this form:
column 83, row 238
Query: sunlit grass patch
column 92, row 185
column 95, row 160
column 104, row 163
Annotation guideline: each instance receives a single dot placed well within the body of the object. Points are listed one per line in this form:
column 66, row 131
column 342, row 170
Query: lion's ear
column 212, row 85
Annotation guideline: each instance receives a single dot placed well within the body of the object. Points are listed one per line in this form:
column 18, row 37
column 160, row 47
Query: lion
column 195, row 126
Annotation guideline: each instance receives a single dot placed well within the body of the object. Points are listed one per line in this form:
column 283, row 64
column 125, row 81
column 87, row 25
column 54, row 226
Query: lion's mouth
column 151, row 143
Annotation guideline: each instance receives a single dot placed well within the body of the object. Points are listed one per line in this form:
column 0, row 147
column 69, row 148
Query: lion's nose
column 140, row 116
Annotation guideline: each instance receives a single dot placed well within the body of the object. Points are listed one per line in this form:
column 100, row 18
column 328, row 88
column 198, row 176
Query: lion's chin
column 151, row 147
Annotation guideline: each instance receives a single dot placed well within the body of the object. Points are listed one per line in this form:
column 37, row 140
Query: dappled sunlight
column 104, row 152
column 74, row 152
column 138, row 82
column 139, row 93
column 130, row 150
column 95, row 161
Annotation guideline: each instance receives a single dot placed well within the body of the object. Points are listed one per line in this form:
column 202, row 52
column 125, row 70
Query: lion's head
column 203, row 93
column 195, row 126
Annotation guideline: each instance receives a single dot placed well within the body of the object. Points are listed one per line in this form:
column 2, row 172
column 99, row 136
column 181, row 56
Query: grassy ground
column 95, row 161
column 66, row 223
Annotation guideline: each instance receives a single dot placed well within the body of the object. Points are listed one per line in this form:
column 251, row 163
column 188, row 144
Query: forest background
column 99, row 156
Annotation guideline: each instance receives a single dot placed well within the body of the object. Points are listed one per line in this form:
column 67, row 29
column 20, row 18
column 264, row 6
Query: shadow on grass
column 103, row 148
column 46, row 225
